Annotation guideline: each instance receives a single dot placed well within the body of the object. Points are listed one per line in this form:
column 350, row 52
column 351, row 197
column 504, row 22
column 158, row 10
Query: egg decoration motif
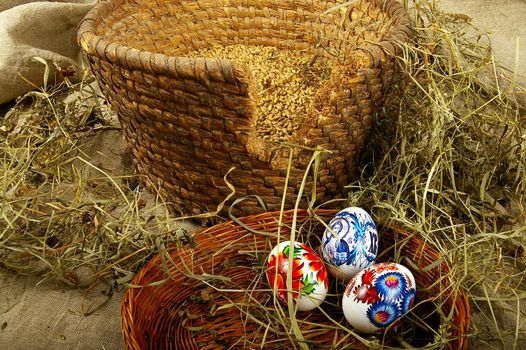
column 378, row 296
column 352, row 245
column 310, row 280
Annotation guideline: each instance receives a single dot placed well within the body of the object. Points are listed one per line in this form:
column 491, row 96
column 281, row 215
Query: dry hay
column 448, row 164
column 67, row 212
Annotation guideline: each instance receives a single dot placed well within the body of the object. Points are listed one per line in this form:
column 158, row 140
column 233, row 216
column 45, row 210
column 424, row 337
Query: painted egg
column 310, row 280
column 352, row 245
column 378, row 296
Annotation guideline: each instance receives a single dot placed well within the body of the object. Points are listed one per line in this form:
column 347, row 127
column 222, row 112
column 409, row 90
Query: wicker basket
column 185, row 313
column 189, row 120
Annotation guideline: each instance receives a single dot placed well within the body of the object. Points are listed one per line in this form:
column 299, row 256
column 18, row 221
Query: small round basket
column 210, row 294
column 188, row 120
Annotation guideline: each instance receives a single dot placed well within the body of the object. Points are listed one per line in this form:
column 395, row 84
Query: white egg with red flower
column 309, row 280
column 378, row 296
column 350, row 244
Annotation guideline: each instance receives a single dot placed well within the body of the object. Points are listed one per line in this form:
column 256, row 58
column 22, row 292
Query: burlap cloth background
column 45, row 29
column 48, row 315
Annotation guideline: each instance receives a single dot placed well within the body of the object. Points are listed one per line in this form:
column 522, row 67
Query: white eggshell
column 378, row 296
column 310, row 280
column 352, row 245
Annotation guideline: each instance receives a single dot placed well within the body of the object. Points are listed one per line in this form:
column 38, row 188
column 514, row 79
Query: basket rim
column 159, row 63
column 458, row 299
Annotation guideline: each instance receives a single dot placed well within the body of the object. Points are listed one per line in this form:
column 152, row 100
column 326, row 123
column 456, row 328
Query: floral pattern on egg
column 352, row 245
column 310, row 280
column 378, row 296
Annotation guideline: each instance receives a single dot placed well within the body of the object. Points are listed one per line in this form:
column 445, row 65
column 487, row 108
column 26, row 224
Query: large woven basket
column 189, row 120
column 212, row 296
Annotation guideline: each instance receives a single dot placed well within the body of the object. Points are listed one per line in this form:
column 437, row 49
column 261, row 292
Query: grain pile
column 284, row 85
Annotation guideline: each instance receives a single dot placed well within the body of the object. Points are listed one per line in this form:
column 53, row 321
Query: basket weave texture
column 189, row 120
column 185, row 312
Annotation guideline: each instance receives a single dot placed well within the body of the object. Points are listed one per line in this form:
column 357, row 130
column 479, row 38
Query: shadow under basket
column 189, row 119
column 215, row 295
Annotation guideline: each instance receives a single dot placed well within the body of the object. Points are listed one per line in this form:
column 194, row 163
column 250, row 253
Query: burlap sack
column 45, row 29
column 38, row 314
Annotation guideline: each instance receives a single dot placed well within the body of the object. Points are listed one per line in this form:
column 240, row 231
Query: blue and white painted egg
column 378, row 296
column 351, row 244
